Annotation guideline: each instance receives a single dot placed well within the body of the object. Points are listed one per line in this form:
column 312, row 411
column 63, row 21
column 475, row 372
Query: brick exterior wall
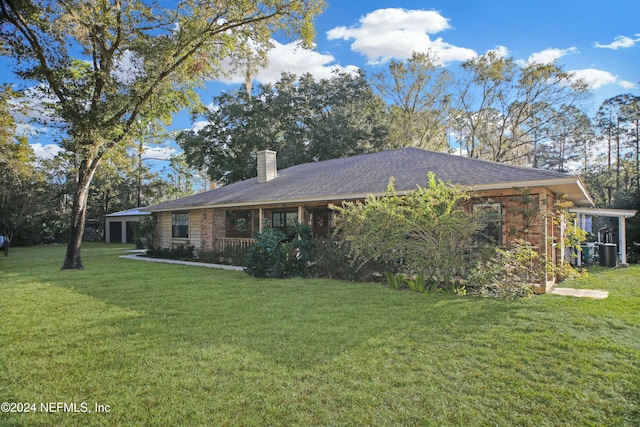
column 218, row 224
column 206, row 229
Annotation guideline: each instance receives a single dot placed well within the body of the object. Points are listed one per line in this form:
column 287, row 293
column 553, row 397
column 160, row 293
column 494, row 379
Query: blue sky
column 597, row 40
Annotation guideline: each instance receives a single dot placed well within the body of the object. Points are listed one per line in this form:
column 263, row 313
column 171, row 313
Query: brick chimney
column 267, row 167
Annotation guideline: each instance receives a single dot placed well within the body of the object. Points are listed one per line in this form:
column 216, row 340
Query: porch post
column 622, row 238
column 300, row 215
column 260, row 219
column 577, row 221
column 123, row 235
column 563, row 226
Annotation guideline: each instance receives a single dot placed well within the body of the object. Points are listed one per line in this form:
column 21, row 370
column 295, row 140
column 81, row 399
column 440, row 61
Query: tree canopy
column 503, row 108
column 107, row 65
column 303, row 119
column 21, row 184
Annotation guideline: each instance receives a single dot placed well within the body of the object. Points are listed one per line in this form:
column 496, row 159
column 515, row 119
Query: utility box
column 607, row 254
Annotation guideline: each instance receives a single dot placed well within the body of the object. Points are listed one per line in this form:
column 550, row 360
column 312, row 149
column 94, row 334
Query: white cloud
column 619, row 42
column 48, row 151
column 35, row 106
column 385, row 34
column 128, row 67
column 595, row 78
column 499, row 51
column 627, row 84
column 295, row 59
column 197, row 126
column 598, row 78
column 549, row 56
column 159, row 153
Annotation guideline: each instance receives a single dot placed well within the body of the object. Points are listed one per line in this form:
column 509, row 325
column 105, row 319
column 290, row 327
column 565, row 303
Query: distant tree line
column 36, row 194
column 490, row 107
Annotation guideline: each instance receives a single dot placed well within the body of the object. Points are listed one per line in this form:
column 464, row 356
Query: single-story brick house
column 232, row 214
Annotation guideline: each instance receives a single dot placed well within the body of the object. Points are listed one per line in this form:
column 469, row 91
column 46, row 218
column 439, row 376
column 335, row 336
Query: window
column 491, row 215
column 180, row 225
column 282, row 220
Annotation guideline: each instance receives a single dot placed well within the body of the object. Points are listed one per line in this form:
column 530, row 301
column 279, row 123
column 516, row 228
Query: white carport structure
column 621, row 214
column 118, row 225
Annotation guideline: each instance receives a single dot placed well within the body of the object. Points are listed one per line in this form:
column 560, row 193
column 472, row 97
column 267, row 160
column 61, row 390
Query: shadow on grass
column 224, row 348
column 294, row 322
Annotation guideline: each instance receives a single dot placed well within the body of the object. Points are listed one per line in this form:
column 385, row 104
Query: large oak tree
column 301, row 118
column 109, row 64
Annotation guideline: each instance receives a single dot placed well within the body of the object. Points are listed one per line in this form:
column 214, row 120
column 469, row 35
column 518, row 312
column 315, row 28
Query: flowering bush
column 510, row 273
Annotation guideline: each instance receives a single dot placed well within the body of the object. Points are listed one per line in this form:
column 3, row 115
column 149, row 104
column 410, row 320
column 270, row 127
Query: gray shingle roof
column 355, row 176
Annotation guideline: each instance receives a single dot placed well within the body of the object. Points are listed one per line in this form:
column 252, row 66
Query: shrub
column 425, row 231
column 509, row 274
column 232, row 255
column 183, row 253
column 143, row 230
column 332, row 260
column 422, row 284
column 278, row 254
column 565, row 271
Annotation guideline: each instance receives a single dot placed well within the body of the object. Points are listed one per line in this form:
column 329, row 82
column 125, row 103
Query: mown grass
column 175, row 345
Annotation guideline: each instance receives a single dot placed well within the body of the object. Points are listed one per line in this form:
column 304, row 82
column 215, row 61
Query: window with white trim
column 180, row 225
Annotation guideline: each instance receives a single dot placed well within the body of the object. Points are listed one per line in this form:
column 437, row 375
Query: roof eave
column 572, row 186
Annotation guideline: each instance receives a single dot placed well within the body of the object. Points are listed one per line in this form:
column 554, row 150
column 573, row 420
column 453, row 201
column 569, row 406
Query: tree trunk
column 6, row 243
column 72, row 260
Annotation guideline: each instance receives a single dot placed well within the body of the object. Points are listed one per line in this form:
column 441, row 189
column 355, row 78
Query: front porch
column 220, row 244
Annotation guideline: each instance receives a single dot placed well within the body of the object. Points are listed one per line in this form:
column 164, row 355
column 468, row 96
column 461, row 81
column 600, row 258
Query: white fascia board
column 626, row 213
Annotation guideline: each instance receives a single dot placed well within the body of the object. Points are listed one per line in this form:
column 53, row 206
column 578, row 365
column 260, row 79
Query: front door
column 321, row 223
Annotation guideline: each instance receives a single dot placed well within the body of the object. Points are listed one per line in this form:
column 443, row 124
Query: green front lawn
column 161, row 345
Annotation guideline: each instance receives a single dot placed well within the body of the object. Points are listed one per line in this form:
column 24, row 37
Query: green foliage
column 527, row 209
column 301, row 118
column 509, row 274
column 333, row 259
column 182, row 253
column 395, row 281
column 564, row 270
column 569, row 138
column 277, row 254
column 171, row 50
column 24, row 198
column 572, row 235
column 618, row 178
column 504, row 109
column 231, row 255
column 426, row 231
column 419, row 103
column 143, row 230
column 421, row 285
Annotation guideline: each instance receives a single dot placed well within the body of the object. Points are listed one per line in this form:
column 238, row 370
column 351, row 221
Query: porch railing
column 222, row 243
